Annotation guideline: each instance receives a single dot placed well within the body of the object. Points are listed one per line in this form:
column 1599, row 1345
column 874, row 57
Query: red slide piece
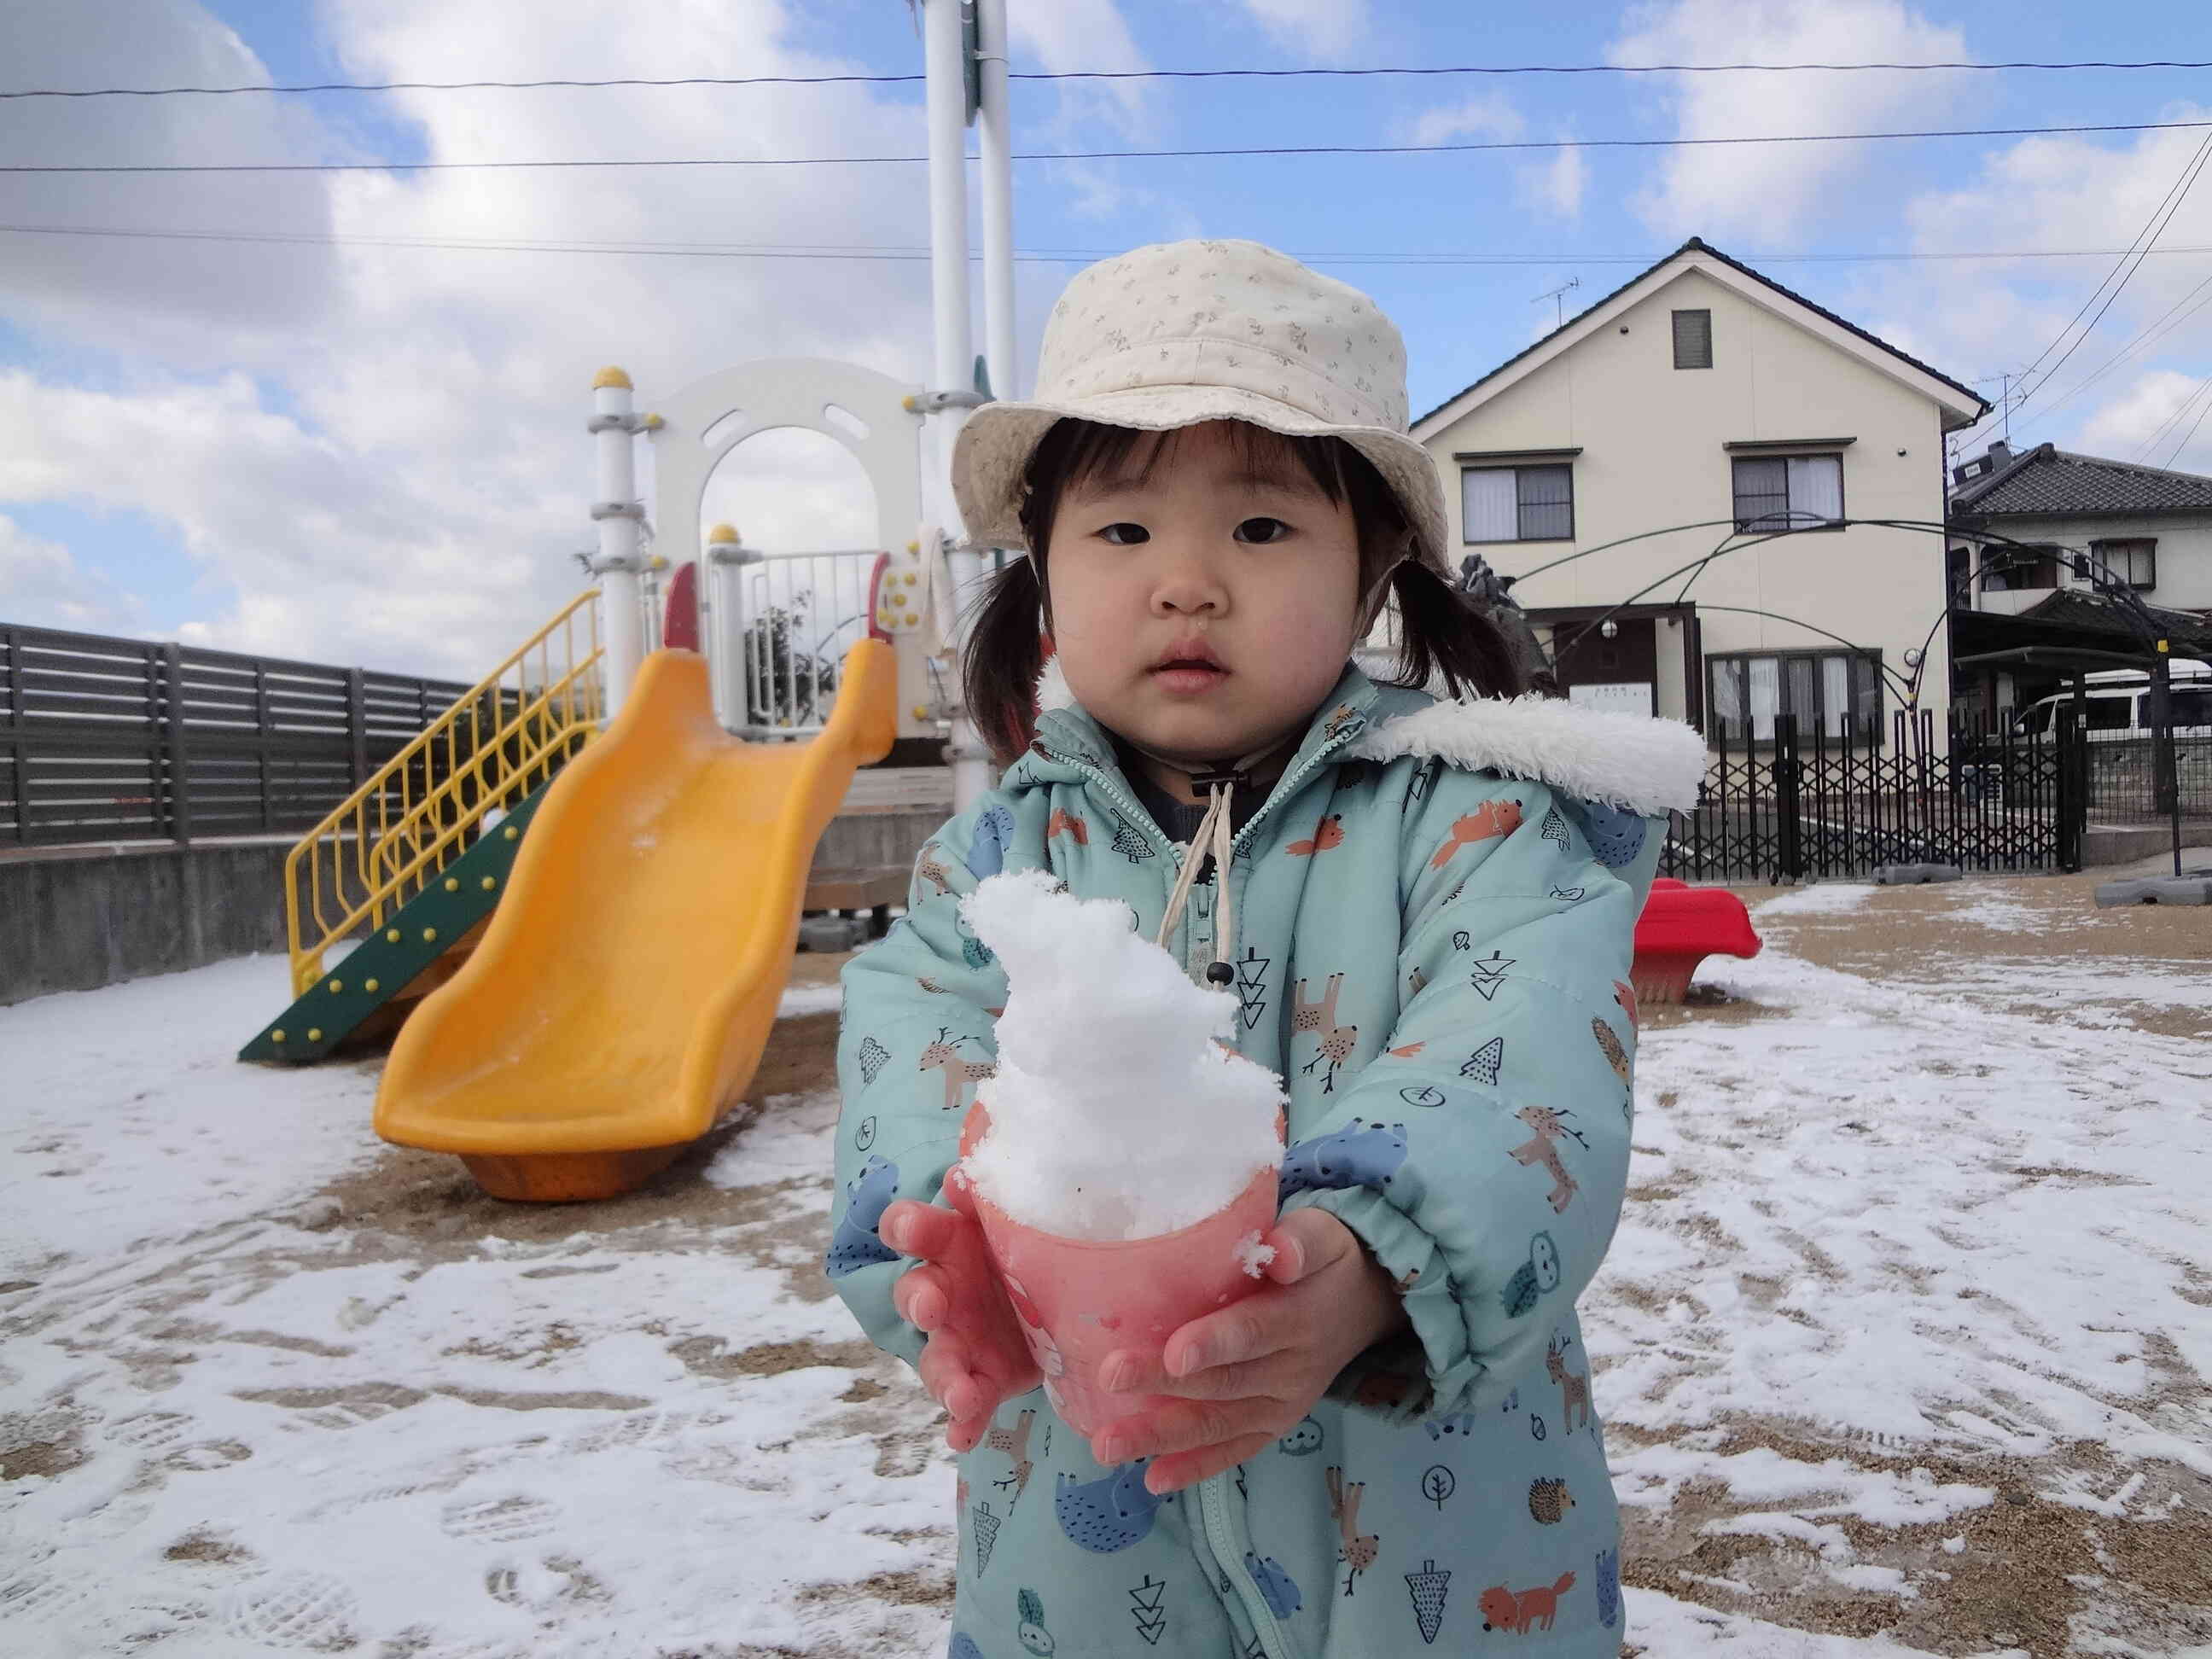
column 679, row 628
column 1680, row 927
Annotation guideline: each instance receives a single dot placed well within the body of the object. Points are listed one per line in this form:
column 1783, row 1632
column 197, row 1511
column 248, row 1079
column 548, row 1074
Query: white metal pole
column 947, row 105
column 618, row 513
column 993, row 128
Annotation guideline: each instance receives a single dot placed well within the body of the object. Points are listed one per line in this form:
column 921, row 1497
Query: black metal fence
column 2126, row 780
column 1805, row 805
column 108, row 739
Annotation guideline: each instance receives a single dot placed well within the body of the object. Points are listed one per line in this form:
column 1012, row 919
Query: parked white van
column 2118, row 704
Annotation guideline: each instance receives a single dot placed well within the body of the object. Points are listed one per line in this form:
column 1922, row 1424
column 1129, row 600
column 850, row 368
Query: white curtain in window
column 1816, row 487
column 1766, row 696
column 1835, row 693
column 1728, row 695
column 1489, row 505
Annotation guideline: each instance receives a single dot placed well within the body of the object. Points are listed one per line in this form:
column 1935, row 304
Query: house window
column 1832, row 692
column 1693, row 339
column 1518, row 504
column 2018, row 569
column 1781, row 492
column 2133, row 559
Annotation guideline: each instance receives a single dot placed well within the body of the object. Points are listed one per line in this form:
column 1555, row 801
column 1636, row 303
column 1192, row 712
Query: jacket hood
column 1642, row 765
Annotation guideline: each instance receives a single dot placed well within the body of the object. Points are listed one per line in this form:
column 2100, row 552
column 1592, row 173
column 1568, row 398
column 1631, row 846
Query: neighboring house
column 2149, row 527
column 1706, row 396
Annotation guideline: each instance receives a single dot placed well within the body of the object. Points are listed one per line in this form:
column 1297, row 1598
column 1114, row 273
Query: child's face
column 1264, row 570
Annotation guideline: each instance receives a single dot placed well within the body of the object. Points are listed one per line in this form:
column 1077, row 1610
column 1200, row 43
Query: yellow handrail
column 502, row 740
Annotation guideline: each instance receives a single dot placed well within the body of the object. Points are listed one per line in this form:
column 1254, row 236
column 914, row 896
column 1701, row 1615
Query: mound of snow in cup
column 1115, row 1114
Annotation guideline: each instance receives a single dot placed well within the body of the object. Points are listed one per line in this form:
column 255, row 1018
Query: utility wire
column 2191, row 433
column 2179, row 413
column 917, row 254
column 1129, row 154
column 2161, row 217
column 2148, row 337
column 1065, row 75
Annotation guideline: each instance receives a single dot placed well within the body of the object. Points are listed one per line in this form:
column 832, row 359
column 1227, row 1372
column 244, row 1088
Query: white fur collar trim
column 1052, row 690
column 1647, row 766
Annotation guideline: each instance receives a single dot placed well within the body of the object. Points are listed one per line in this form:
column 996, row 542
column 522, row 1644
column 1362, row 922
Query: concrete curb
column 1908, row 875
column 2157, row 890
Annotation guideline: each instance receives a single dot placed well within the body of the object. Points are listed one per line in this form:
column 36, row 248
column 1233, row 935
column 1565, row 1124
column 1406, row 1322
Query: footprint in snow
column 500, row 1520
column 294, row 1609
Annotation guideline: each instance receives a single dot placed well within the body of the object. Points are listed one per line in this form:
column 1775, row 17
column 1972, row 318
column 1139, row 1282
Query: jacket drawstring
column 1212, row 840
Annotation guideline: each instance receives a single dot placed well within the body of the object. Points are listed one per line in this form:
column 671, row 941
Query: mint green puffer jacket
column 1435, row 911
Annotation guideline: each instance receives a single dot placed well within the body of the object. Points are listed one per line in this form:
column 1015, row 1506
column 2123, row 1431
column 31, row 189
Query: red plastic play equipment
column 679, row 630
column 1680, row 927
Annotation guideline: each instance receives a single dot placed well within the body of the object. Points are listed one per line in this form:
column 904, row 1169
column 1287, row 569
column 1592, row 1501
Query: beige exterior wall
column 1652, row 439
column 2184, row 557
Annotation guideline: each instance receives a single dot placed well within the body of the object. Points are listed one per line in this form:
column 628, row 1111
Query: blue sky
column 372, row 453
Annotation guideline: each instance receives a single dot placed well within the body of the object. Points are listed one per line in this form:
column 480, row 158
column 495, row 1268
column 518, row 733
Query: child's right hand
column 976, row 1357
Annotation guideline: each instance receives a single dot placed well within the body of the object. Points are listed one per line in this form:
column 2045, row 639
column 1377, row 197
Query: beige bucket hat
column 1179, row 332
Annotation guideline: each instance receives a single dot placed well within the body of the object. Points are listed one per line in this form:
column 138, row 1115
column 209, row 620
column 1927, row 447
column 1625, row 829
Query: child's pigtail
column 1444, row 634
column 1004, row 655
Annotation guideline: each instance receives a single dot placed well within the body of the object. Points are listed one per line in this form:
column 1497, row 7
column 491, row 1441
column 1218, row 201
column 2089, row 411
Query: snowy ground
column 1905, row 1340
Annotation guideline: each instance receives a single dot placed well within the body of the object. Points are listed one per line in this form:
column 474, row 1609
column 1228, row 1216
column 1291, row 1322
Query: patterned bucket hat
column 1179, row 332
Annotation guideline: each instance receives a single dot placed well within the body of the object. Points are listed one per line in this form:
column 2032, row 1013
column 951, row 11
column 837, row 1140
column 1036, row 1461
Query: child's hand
column 976, row 1357
column 1257, row 1366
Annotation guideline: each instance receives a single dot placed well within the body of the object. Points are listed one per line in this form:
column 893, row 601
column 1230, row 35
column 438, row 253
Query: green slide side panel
column 386, row 962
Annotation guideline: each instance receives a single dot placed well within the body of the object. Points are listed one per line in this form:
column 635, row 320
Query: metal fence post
column 11, row 644
column 1789, row 801
column 177, row 755
column 357, row 725
column 2072, row 790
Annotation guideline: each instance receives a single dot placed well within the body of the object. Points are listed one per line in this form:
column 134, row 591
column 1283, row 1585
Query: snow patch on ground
column 1889, row 1217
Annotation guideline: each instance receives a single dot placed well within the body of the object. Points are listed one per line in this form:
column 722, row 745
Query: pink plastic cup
column 1080, row 1300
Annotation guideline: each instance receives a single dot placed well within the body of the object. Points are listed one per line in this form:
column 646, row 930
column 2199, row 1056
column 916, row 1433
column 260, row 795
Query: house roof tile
column 2094, row 613
column 2048, row 482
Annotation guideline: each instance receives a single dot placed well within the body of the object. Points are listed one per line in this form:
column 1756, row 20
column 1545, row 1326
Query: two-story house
column 1704, row 410
column 2026, row 617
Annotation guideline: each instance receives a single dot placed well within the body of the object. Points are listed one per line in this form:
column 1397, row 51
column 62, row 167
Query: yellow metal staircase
column 495, row 748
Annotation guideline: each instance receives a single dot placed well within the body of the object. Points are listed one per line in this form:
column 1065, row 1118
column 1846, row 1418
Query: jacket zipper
column 1213, row 1499
column 1213, row 1509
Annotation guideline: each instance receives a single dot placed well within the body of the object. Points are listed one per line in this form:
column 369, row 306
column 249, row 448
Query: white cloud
column 1986, row 317
column 41, row 586
column 1068, row 35
column 1556, row 187
column 2140, row 423
column 381, row 450
column 1769, row 191
column 1324, row 29
column 1486, row 115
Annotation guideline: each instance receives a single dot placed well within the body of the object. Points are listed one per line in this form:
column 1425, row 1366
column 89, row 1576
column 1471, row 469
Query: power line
column 1066, row 75
column 1127, row 154
column 2191, row 433
column 917, row 252
column 2144, row 339
column 2172, row 420
column 2161, row 217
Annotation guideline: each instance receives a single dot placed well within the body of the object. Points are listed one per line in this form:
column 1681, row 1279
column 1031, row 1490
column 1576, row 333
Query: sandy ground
column 2068, row 1550
column 2020, row 1570
column 2031, row 1572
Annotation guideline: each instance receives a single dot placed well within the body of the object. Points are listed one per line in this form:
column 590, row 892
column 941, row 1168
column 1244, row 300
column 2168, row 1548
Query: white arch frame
column 766, row 395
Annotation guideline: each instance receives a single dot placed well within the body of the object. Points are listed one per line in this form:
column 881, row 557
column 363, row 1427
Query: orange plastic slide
column 624, row 990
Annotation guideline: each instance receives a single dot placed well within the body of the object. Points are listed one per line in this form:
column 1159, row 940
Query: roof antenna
column 1558, row 304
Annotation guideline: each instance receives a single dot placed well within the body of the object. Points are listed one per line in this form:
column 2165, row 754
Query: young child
column 1425, row 908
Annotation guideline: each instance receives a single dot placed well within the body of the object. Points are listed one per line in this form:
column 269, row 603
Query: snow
column 1116, row 1112
column 1904, row 1217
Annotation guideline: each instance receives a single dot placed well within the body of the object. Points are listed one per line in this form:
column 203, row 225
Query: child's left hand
column 1256, row 1368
